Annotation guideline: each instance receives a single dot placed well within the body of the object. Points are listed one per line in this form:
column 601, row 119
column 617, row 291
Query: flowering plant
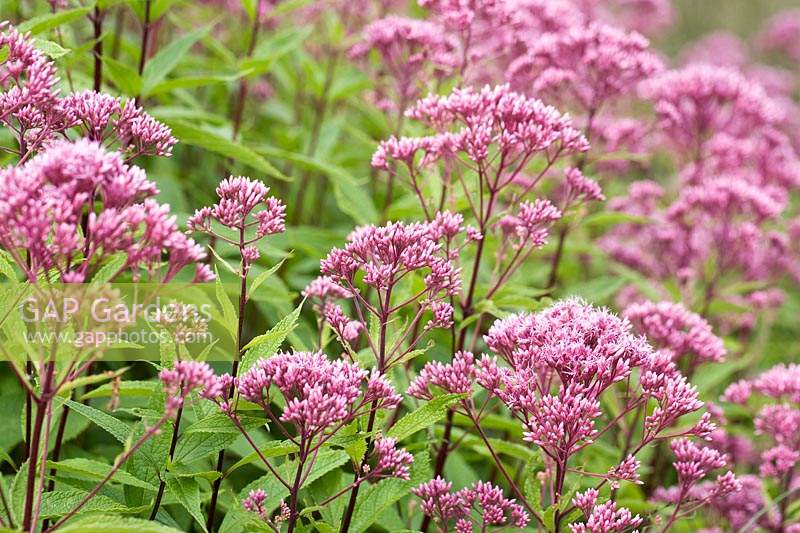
column 406, row 266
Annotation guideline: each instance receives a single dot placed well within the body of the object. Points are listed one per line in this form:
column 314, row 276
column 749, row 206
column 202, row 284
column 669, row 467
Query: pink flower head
column 254, row 503
column 699, row 100
column 410, row 51
column 579, row 187
column 561, row 361
column 182, row 379
column 99, row 117
column 28, row 94
column 693, row 462
column 239, row 197
column 45, row 201
column 781, row 34
column 456, row 377
column 391, row 461
column 319, row 394
column 487, row 501
column 673, row 327
column 323, row 288
column 607, row 518
column 627, row 470
column 584, row 66
column 497, row 118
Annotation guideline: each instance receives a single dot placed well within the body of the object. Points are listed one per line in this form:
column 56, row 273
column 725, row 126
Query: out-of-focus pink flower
column 410, row 51
column 720, row 48
column 781, row 33
column 584, row 66
column 699, row 100
column 673, row 327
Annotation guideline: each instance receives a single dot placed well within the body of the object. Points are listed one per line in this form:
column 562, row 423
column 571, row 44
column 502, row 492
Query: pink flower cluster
column 585, row 66
column 410, row 51
column 320, row 396
column 778, row 420
column 100, row 117
column 183, row 378
column 602, row 518
column 670, row 326
column 245, row 208
column 30, row 106
column 481, row 505
column 43, row 208
column 381, row 258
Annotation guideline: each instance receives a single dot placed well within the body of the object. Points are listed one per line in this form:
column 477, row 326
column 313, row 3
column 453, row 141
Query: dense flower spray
column 558, row 366
column 412, row 52
column 33, row 109
column 584, row 66
column 778, row 423
column 46, row 229
column 320, row 398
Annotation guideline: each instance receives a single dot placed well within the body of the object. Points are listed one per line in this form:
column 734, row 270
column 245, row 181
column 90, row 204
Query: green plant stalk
column 212, row 506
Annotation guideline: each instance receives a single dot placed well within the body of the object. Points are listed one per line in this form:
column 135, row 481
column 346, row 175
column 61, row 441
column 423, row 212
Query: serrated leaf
column 111, row 267
column 114, row 524
column 124, row 389
column 198, row 445
column 187, row 492
column 220, row 423
column 59, row 502
column 114, row 426
column 264, row 276
column 51, row 49
column 270, row 449
column 377, row 498
column 267, row 344
column 97, row 470
column 208, row 140
column 424, row 417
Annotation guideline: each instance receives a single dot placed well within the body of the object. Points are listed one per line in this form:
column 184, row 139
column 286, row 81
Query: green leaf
column 115, row 427
column 607, row 219
column 110, row 268
column 229, row 316
column 271, row 449
column 202, row 138
column 50, row 49
column 124, row 389
column 97, row 470
column 376, row 499
column 52, row 20
column 5, row 266
column 351, row 195
column 220, row 423
column 201, row 444
column 124, row 77
column 114, row 524
column 267, row 344
column 157, row 68
column 187, row 491
column 264, row 276
column 60, row 502
column 424, row 417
